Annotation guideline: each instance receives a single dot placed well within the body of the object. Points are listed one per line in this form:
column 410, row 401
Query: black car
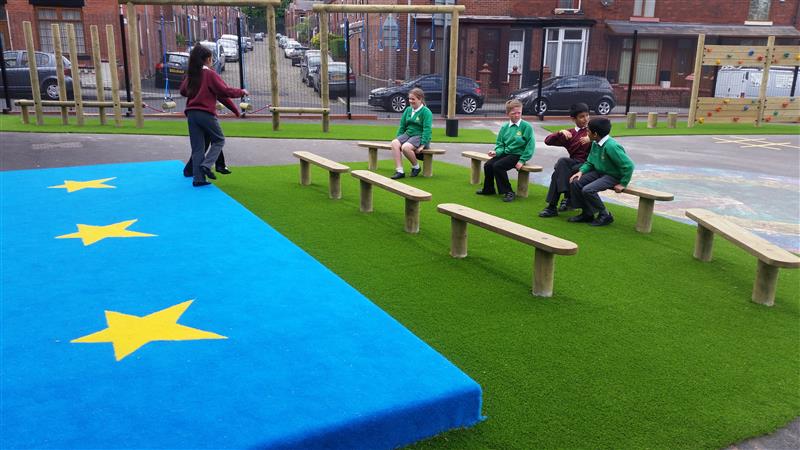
column 469, row 97
column 177, row 68
column 19, row 77
column 559, row 93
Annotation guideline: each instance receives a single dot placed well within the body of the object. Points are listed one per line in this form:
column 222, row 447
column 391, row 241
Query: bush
column 335, row 45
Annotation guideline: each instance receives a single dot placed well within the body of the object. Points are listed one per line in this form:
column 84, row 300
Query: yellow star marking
column 128, row 333
column 90, row 234
column 73, row 186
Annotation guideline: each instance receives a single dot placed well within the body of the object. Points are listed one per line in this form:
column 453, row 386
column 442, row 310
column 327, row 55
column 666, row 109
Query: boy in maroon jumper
column 577, row 143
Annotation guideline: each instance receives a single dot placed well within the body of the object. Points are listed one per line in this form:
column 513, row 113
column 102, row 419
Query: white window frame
column 556, row 71
column 644, row 8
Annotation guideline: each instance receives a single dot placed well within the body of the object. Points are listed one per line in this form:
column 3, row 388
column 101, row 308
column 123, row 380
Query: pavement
column 753, row 179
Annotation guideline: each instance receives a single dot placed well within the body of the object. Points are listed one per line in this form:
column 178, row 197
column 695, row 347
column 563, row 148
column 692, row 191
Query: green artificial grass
column 239, row 128
column 641, row 345
column 620, row 129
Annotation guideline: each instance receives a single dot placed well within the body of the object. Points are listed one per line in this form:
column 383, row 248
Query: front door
column 489, row 53
column 684, row 58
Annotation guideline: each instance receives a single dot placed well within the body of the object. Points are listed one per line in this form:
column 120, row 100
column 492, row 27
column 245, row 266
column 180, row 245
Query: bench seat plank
column 391, row 185
column 762, row 249
column 331, row 166
column 484, row 157
column 651, row 194
column 519, row 232
column 387, row 146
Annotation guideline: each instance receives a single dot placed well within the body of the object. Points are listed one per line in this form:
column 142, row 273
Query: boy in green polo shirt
column 607, row 167
column 514, row 147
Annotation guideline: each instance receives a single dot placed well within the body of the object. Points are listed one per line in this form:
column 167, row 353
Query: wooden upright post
column 98, row 71
column 34, row 73
column 273, row 67
column 112, row 63
column 133, row 46
column 698, row 69
column 323, row 67
column 77, row 94
column 762, row 91
column 62, row 85
column 453, row 71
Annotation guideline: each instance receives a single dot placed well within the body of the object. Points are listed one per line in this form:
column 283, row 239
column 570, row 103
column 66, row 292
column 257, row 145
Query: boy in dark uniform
column 607, row 167
column 577, row 143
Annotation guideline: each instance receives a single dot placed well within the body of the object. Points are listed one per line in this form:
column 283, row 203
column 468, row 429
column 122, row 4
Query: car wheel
column 397, row 103
column 604, row 107
column 50, row 90
column 468, row 104
column 540, row 106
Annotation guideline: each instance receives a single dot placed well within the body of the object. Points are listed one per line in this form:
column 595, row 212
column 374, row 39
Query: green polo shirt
column 516, row 140
column 609, row 159
column 419, row 125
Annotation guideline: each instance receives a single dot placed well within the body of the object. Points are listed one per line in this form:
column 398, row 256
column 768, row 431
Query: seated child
column 577, row 143
column 607, row 167
column 514, row 147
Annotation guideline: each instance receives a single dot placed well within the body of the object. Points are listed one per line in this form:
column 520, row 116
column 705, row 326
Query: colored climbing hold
column 739, row 62
column 719, row 62
column 785, row 104
column 768, row 119
column 797, row 57
column 791, row 99
column 735, row 119
column 775, row 113
column 718, row 109
column 751, row 52
column 746, row 107
column 726, row 101
column 786, row 55
column 760, row 57
column 709, row 114
column 729, row 55
column 701, row 120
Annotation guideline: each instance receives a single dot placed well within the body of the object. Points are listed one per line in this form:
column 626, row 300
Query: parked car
column 282, row 40
column 337, row 80
column 559, row 93
column 258, row 37
column 248, row 43
column 310, row 61
column 289, row 47
column 297, row 54
column 469, row 97
column 177, row 66
column 230, row 49
column 19, row 78
column 217, row 55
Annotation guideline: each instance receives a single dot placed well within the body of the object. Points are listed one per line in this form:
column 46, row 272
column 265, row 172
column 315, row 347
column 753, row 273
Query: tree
column 302, row 31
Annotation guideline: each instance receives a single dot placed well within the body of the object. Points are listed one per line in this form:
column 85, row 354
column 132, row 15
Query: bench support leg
column 644, row 215
column 366, row 196
column 766, row 281
column 373, row 158
column 703, row 243
column 25, row 118
column 523, row 178
column 335, row 185
column 305, row 173
column 427, row 167
column 458, row 238
column 475, row 175
column 412, row 216
column 543, row 268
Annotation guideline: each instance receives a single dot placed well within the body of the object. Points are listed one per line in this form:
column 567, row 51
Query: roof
column 693, row 29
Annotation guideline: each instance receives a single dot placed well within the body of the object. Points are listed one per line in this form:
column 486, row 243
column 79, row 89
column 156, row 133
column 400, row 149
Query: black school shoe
column 482, row 192
column 548, row 212
column 200, row 183
column 415, row 172
column 223, row 170
column 602, row 219
column 208, row 172
column 509, row 197
column 564, row 206
column 581, row 218
column 398, row 175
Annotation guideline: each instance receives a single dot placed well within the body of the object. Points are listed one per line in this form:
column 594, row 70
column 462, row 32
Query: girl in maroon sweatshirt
column 203, row 87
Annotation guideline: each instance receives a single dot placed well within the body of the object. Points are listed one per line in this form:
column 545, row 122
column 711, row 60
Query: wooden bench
column 427, row 155
column 523, row 175
column 412, row 195
column 770, row 257
column 547, row 246
column 647, row 200
column 334, row 169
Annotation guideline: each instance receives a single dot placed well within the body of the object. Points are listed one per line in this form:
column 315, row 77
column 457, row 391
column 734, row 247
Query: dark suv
column 559, row 93
column 469, row 97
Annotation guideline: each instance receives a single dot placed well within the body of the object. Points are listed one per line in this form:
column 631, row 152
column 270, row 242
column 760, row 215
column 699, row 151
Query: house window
column 646, row 61
column 61, row 16
column 565, row 52
column 758, row 11
column 644, row 8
